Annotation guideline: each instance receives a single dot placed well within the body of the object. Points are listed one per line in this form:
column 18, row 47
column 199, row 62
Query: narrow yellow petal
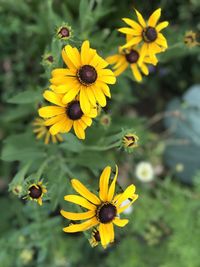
column 80, row 201
column 104, row 235
column 67, row 125
column 50, row 111
column 67, row 60
column 84, row 52
column 90, row 95
column 113, row 59
column 57, row 127
column 121, row 69
column 128, row 193
column 129, row 31
column 136, row 72
column 55, row 119
column 144, row 69
column 153, row 19
column 104, row 87
column 133, row 24
column 81, row 227
column 133, row 41
column 73, row 55
column 99, row 95
column 162, row 25
column 123, row 208
column 83, row 191
column 140, row 18
column 53, row 98
column 84, row 101
column 70, row 95
column 120, row 222
column 108, row 79
column 87, row 120
column 103, row 183
column 63, row 72
column 79, row 131
column 111, row 190
column 77, row 216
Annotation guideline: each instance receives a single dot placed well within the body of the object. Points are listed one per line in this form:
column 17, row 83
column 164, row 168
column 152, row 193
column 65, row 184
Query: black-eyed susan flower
column 95, row 238
column 130, row 141
column 64, row 32
column 147, row 34
column 86, row 75
column 36, row 192
column 102, row 211
column 62, row 117
column 190, row 39
column 130, row 57
column 41, row 130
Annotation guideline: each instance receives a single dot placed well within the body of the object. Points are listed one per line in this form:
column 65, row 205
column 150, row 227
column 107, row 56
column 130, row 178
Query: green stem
column 103, row 148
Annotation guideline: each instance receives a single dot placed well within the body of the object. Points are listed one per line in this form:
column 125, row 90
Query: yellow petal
column 111, row 190
column 121, row 69
column 93, row 113
column 105, row 72
column 84, row 52
column 120, row 222
column 104, row 87
column 161, row 40
column 105, row 235
column 73, row 55
column 57, row 127
column 79, row 131
column 133, row 41
column 143, row 52
column 81, row 227
column 99, row 95
column 61, row 89
column 90, row 95
column 60, row 80
column 133, row 24
column 77, row 216
column 67, row 61
column 70, row 95
column 39, row 201
column 53, row 98
column 113, row 59
column 128, row 193
column 162, row 25
column 144, row 69
column 108, row 79
column 98, row 62
column 83, row 191
column 129, row 31
column 50, row 111
column 67, row 125
column 87, row 120
column 63, row 72
column 84, row 101
column 123, row 208
column 103, row 183
column 80, row 201
column 136, row 72
column 55, row 119
column 153, row 19
column 140, row 19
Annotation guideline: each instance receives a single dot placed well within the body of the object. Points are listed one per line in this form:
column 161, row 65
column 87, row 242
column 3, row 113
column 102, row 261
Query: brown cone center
column 132, row 56
column 74, row 111
column 149, row 34
column 87, row 74
column 35, row 192
column 107, row 213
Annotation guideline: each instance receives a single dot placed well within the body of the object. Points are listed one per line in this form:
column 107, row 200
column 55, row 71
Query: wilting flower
column 95, row 238
column 64, row 32
column 36, row 192
column 41, row 130
column 190, row 39
column 62, row 117
column 105, row 120
column 144, row 171
column 148, row 34
column 102, row 211
column 130, row 57
column 130, row 141
column 86, row 74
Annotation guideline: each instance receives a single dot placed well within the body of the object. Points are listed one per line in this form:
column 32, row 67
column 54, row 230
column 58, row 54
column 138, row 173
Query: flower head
column 130, row 57
column 144, row 171
column 64, row 32
column 130, row 141
column 190, row 39
column 146, row 34
column 102, row 211
column 62, row 117
column 95, row 238
column 86, row 75
column 36, row 192
column 41, row 130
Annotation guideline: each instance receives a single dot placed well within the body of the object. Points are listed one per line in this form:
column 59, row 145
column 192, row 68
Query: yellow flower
column 102, row 211
column 190, row 39
column 130, row 140
column 36, row 192
column 148, row 35
column 86, row 74
column 62, row 117
column 95, row 238
column 41, row 130
column 130, row 57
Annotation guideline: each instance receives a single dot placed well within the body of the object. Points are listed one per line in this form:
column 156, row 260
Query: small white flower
column 129, row 209
column 144, row 171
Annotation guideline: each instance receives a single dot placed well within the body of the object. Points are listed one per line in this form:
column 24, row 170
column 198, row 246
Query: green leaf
column 25, row 97
column 72, row 143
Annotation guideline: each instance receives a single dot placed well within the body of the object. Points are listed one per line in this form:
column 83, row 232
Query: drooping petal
column 90, row 95
column 87, row 120
column 81, row 227
column 99, row 95
column 162, row 25
column 120, row 222
column 67, row 125
column 136, row 72
column 121, row 69
column 80, row 201
column 105, row 235
column 84, row 101
column 123, row 208
column 77, row 216
column 57, row 127
column 113, row 59
column 111, row 190
column 55, row 119
column 153, row 19
column 79, row 131
column 144, row 69
column 83, row 191
column 103, row 183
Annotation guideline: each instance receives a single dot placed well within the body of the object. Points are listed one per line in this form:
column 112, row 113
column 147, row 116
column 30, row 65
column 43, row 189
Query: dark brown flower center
column 35, row 192
column 97, row 236
column 132, row 56
column 87, row 74
column 74, row 111
column 149, row 34
column 64, row 32
column 50, row 59
column 106, row 213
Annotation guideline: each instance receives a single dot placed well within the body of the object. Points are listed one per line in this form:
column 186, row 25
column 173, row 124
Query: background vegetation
column 163, row 110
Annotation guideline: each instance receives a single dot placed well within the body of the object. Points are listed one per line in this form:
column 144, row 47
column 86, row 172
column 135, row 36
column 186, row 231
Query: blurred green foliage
column 164, row 227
